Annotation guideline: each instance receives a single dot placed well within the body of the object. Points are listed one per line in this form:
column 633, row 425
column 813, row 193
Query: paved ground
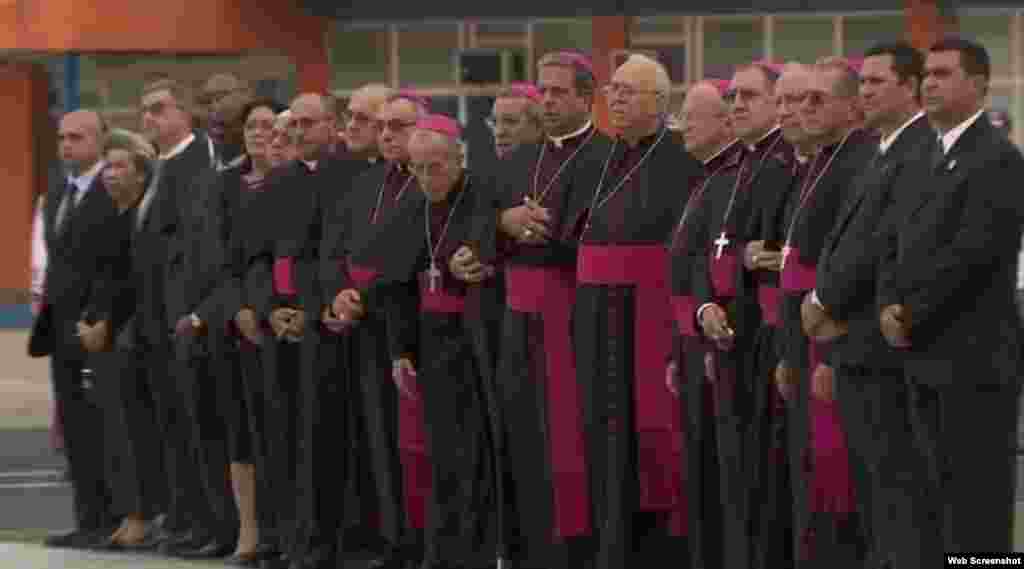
column 33, row 498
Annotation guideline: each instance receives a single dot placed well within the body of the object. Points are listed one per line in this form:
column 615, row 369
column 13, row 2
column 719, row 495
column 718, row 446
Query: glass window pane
column 802, row 39
column 358, row 56
column 504, row 33
column 862, row 32
column 731, row 41
column 993, row 32
column 657, row 25
column 427, row 53
column 570, row 34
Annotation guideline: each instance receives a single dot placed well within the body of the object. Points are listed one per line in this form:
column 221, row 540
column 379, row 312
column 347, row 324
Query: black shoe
column 188, row 541
column 78, row 539
column 211, row 550
column 392, row 562
column 280, row 562
column 246, row 559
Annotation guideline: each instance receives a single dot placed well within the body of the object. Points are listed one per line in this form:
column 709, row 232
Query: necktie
column 940, row 154
column 68, row 205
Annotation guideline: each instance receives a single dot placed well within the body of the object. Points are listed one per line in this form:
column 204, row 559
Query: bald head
column 314, row 125
column 705, row 118
column 436, row 160
column 80, row 139
column 638, row 96
column 361, row 132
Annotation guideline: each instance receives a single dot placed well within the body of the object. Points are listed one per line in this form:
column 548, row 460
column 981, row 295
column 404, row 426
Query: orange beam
column 926, row 23
column 610, row 35
column 182, row 26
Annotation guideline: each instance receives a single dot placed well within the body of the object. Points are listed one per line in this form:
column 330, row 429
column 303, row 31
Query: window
column 802, row 38
column 427, row 53
column 551, row 35
column 358, row 56
column 508, row 33
column 731, row 41
column 862, row 32
column 993, row 32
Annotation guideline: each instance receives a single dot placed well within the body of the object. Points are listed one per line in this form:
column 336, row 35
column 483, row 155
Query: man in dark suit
column 167, row 122
column 946, row 292
column 79, row 242
column 869, row 373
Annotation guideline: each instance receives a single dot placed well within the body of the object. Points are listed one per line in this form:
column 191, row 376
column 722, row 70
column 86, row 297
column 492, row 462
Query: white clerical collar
column 949, row 138
column 559, row 141
column 84, row 181
column 721, row 151
column 311, row 164
column 888, row 141
column 178, row 148
column 753, row 147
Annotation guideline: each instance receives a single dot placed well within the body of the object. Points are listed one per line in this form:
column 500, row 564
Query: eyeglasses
column 506, row 122
column 157, row 108
column 358, row 119
column 259, row 125
column 421, row 170
column 395, row 125
column 625, row 91
column 305, row 123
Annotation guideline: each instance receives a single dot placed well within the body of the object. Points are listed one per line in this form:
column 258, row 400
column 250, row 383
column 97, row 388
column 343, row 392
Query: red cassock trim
column 550, row 291
column 769, row 297
column 361, row 276
column 685, row 308
column 657, row 419
column 723, row 273
column 284, row 280
column 412, row 445
column 831, row 484
column 796, row 276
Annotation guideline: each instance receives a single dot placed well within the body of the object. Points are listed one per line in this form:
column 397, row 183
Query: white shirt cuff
column 815, row 300
column 703, row 307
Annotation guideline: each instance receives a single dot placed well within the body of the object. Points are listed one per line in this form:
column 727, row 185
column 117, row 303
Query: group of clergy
column 776, row 330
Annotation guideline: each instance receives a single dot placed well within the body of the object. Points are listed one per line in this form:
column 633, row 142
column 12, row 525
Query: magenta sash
column 796, row 276
column 657, row 417
column 549, row 291
column 769, row 297
column 361, row 276
column 412, row 446
column 723, row 273
column 284, row 276
column 685, row 310
column 441, row 301
column 831, row 486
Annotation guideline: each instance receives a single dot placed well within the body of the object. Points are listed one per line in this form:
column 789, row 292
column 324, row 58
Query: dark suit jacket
column 953, row 263
column 82, row 255
column 848, row 267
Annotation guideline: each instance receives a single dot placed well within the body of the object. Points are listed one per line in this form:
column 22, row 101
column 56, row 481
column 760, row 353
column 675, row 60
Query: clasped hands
column 528, row 224
column 288, row 323
column 817, row 323
column 715, row 323
column 757, row 258
column 94, row 337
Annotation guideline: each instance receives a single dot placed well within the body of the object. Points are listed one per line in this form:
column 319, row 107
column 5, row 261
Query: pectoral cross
column 785, row 255
column 433, row 273
column 720, row 244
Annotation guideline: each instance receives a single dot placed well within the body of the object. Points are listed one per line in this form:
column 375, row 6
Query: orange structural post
column 927, row 21
column 610, row 36
column 23, row 153
column 311, row 60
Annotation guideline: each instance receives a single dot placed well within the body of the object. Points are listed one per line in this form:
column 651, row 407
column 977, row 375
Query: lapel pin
column 951, row 165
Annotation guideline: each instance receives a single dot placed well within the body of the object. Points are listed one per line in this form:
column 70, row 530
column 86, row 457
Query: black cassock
column 827, row 531
column 727, row 218
column 542, row 428
column 450, row 386
column 376, row 495
column 320, row 386
column 688, row 353
column 870, row 391
column 627, row 201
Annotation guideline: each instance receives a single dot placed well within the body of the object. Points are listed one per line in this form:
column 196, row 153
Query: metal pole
column 72, row 82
